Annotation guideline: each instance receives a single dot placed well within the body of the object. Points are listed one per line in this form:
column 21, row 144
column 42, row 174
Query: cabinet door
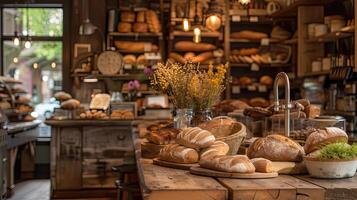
column 104, row 147
column 68, row 158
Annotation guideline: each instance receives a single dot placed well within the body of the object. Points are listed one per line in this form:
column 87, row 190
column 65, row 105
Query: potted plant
column 337, row 160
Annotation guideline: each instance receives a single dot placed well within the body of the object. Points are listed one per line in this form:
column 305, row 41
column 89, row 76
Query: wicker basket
column 235, row 139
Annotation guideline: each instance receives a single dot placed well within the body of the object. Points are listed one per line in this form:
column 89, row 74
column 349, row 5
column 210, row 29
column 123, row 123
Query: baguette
column 202, row 57
column 178, row 154
column 249, row 35
column 191, row 46
column 276, row 148
column 177, row 57
column 262, row 165
column 217, row 148
column 195, row 138
column 233, row 164
column 323, row 137
column 136, row 46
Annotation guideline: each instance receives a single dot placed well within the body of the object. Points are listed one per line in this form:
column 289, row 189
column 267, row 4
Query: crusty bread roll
column 127, row 16
column 140, row 16
column 233, row 164
column 178, row 154
column 177, row 57
column 124, row 27
column 266, row 80
column 153, row 21
column 276, row 148
column 323, row 137
column 189, row 55
column 129, row 59
column 202, row 57
column 195, row 138
column 191, row 46
column 258, row 102
column 312, row 111
column 219, row 127
column 217, row 148
column 249, row 35
column 70, row 104
column 141, row 60
column 245, row 80
column 135, row 46
column 62, row 96
column 262, row 165
column 140, row 27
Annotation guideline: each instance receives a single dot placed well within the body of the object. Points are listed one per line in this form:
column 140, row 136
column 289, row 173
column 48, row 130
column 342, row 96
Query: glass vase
column 183, row 118
column 201, row 116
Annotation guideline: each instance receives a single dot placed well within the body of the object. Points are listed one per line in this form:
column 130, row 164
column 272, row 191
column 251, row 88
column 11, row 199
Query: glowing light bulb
column 35, row 65
column 197, row 35
column 27, row 44
column 244, row 2
column 16, row 60
column 16, row 41
column 213, row 22
column 53, row 65
column 186, row 24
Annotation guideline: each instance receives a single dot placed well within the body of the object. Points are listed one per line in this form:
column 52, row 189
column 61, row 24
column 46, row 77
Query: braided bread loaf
column 235, row 164
column 178, row 154
column 195, row 138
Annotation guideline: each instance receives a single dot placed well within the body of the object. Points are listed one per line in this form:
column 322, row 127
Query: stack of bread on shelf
column 67, row 102
column 195, row 52
column 143, row 21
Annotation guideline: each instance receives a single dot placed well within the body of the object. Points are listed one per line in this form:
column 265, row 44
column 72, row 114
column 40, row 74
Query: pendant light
column 28, row 39
column 16, row 39
column 197, row 26
column 186, row 21
column 244, row 2
column 214, row 16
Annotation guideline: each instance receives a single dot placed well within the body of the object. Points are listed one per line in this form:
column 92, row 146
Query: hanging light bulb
column 186, row 24
column 28, row 44
column 35, row 65
column 197, row 35
column 244, row 2
column 15, row 60
column 53, row 65
column 16, row 39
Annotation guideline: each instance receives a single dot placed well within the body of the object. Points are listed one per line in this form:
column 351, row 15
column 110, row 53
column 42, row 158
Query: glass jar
column 183, row 118
column 200, row 116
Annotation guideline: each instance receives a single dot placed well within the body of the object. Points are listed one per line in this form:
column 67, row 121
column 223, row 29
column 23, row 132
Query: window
column 40, row 65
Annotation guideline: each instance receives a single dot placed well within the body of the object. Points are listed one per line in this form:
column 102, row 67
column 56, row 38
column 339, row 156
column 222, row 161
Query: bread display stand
column 218, row 174
column 173, row 165
column 292, row 168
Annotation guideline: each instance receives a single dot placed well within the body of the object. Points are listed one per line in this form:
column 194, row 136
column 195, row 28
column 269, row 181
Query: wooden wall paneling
column 227, row 46
column 307, row 52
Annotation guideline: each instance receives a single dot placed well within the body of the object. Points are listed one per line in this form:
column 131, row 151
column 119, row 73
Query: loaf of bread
column 323, row 137
column 178, row 154
column 129, row 59
column 162, row 136
column 217, row 148
column 141, row 60
column 177, row 57
column 189, row 55
column 62, row 96
column 70, row 104
column 233, row 164
column 245, row 80
column 124, row 27
column 136, row 47
column 266, row 80
column 249, row 35
column 262, row 165
column 203, row 57
column 219, row 127
column 127, row 16
column 312, row 111
column 140, row 16
column 191, row 46
column 153, row 21
column 257, row 112
column 276, row 148
column 140, row 27
column 195, row 138
column 258, row 102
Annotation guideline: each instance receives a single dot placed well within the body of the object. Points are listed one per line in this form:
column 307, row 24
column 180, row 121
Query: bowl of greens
column 337, row 160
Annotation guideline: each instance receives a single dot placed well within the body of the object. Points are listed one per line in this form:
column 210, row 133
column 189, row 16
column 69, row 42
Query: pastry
column 93, row 114
column 124, row 27
column 178, row 154
column 62, row 96
column 70, row 104
column 323, row 137
column 122, row 114
column 266, row 80
column 217, row 148
column 127, row 16
column 249, row 35
column 195, row 138
column 262, row 165
column 233, row 164
column 140, row 16
column 140, row 27
column 153, row 21
column 135, row 46
column 129, row 59
column 276, row 148
column 219, row 127
column 191, row 46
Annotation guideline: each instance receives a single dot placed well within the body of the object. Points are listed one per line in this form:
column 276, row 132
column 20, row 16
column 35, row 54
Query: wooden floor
column 35, row 190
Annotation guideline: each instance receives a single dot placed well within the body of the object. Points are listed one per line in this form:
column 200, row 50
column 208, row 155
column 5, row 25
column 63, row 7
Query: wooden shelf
column 245, row 65
column 190, row 34
column 290, row 41
column 291, row 10
column 135, row 34
column 115, row 76
column 271, row 40
column 330, row 37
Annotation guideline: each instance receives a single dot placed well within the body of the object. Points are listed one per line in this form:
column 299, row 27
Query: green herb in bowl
column 338, row 151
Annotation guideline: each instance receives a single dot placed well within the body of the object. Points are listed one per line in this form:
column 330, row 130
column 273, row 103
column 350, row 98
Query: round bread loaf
column 124, row 27
column 219, row 127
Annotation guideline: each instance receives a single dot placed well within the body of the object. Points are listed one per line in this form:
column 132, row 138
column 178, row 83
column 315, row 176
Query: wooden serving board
column 289, row 168
column 173, row 165
column 213, row 173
